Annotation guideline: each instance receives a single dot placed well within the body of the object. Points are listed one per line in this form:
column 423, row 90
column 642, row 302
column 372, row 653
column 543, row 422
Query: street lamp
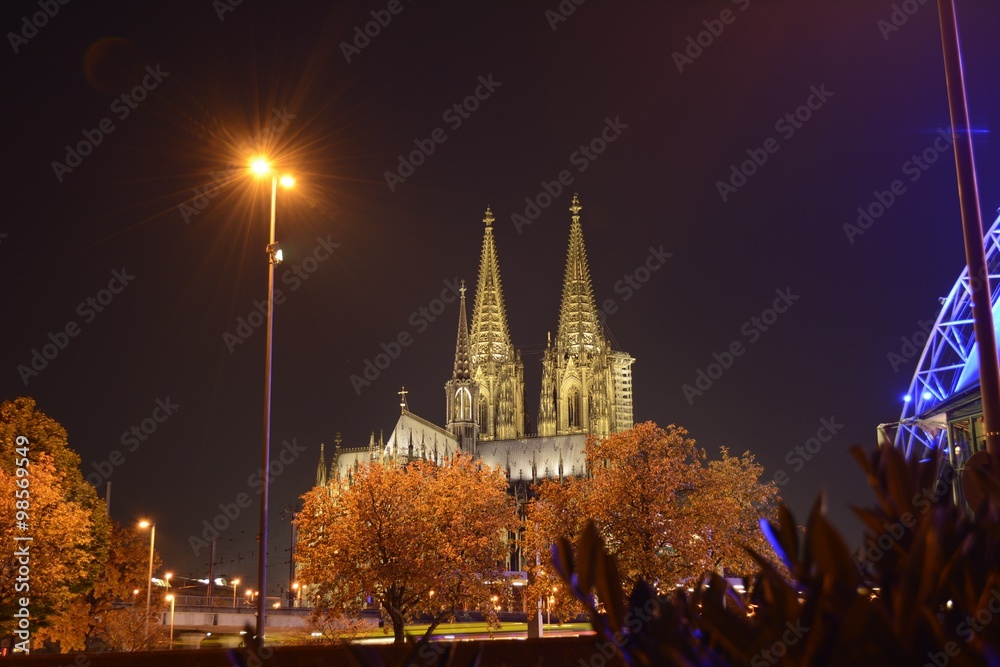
column 262, row 167
column 170, row 599
column 149, row 579
column 167, row 577
column 235, row 583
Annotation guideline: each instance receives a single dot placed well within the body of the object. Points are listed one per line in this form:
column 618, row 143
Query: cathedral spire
column 321, row 468
column 490, row 339
column 578, row 319
column 462, row 370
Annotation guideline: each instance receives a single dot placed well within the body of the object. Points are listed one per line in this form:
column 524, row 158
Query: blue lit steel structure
column 943, row 408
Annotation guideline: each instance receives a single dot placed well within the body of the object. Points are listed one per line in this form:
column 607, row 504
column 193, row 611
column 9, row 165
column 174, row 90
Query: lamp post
column 235, row 583
column 149, row 579
column 262, row 167
column 170, row 599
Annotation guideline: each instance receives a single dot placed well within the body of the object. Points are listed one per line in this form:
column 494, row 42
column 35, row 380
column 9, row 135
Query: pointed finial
column 575, row 207
column 402, row 398
column 489, row 216
column 337, row 440
column 462, row 288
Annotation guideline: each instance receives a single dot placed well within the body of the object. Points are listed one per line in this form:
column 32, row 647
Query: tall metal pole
column 149, row 579
column 265, row 460
column 972, row 227
column 211, row 573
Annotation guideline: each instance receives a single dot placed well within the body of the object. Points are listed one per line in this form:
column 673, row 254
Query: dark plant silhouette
column 923, row 589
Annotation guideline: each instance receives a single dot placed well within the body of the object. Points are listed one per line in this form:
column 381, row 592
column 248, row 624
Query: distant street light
column 262, row 167
column 149, row 579
column 170, row 599
column 235, row 583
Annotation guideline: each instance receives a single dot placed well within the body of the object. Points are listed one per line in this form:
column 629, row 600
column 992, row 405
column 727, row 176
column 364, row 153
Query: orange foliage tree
column 117, row 611
column 416, row 538
column 66, row 520
column 666, row 513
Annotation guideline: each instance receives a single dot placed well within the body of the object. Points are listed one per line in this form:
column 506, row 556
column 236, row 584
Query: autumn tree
column 66, row 521
column 117, row 602
column 415, row 538
column 666, row 513
column 733, row 490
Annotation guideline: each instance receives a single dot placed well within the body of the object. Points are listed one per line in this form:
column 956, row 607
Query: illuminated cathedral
column 586, row 386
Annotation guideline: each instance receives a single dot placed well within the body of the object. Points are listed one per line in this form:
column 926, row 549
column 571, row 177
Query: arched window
column 574, row 408
column 482, row 415
column 463, row 405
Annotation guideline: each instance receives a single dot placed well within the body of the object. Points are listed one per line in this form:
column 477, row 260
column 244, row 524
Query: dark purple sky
column 276, row 73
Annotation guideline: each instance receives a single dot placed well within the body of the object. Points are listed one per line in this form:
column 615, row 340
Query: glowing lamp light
column 907, row 398
column 260, row 166
column 287, row 181
column 927, row 395
column 278, row 256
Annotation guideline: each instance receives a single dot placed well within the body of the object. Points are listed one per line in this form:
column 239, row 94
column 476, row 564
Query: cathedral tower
column 461, row 392
column 586, row 386
column 495, row 366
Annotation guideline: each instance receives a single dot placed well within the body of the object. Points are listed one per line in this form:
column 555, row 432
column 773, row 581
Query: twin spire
column 490, row 339
column 579, row 324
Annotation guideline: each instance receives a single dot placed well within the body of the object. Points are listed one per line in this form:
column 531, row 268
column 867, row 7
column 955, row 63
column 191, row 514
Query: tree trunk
column 397, row 625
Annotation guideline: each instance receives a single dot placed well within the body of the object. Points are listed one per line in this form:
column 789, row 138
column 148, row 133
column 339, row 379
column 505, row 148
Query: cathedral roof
column 490, row 336
column 578, row 320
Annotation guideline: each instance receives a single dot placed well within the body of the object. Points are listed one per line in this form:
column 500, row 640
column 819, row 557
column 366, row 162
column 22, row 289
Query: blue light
column 907, row 399
column 928, row 396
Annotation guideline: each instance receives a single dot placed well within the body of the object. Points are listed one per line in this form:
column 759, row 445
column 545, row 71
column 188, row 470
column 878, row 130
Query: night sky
column 172, row 272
